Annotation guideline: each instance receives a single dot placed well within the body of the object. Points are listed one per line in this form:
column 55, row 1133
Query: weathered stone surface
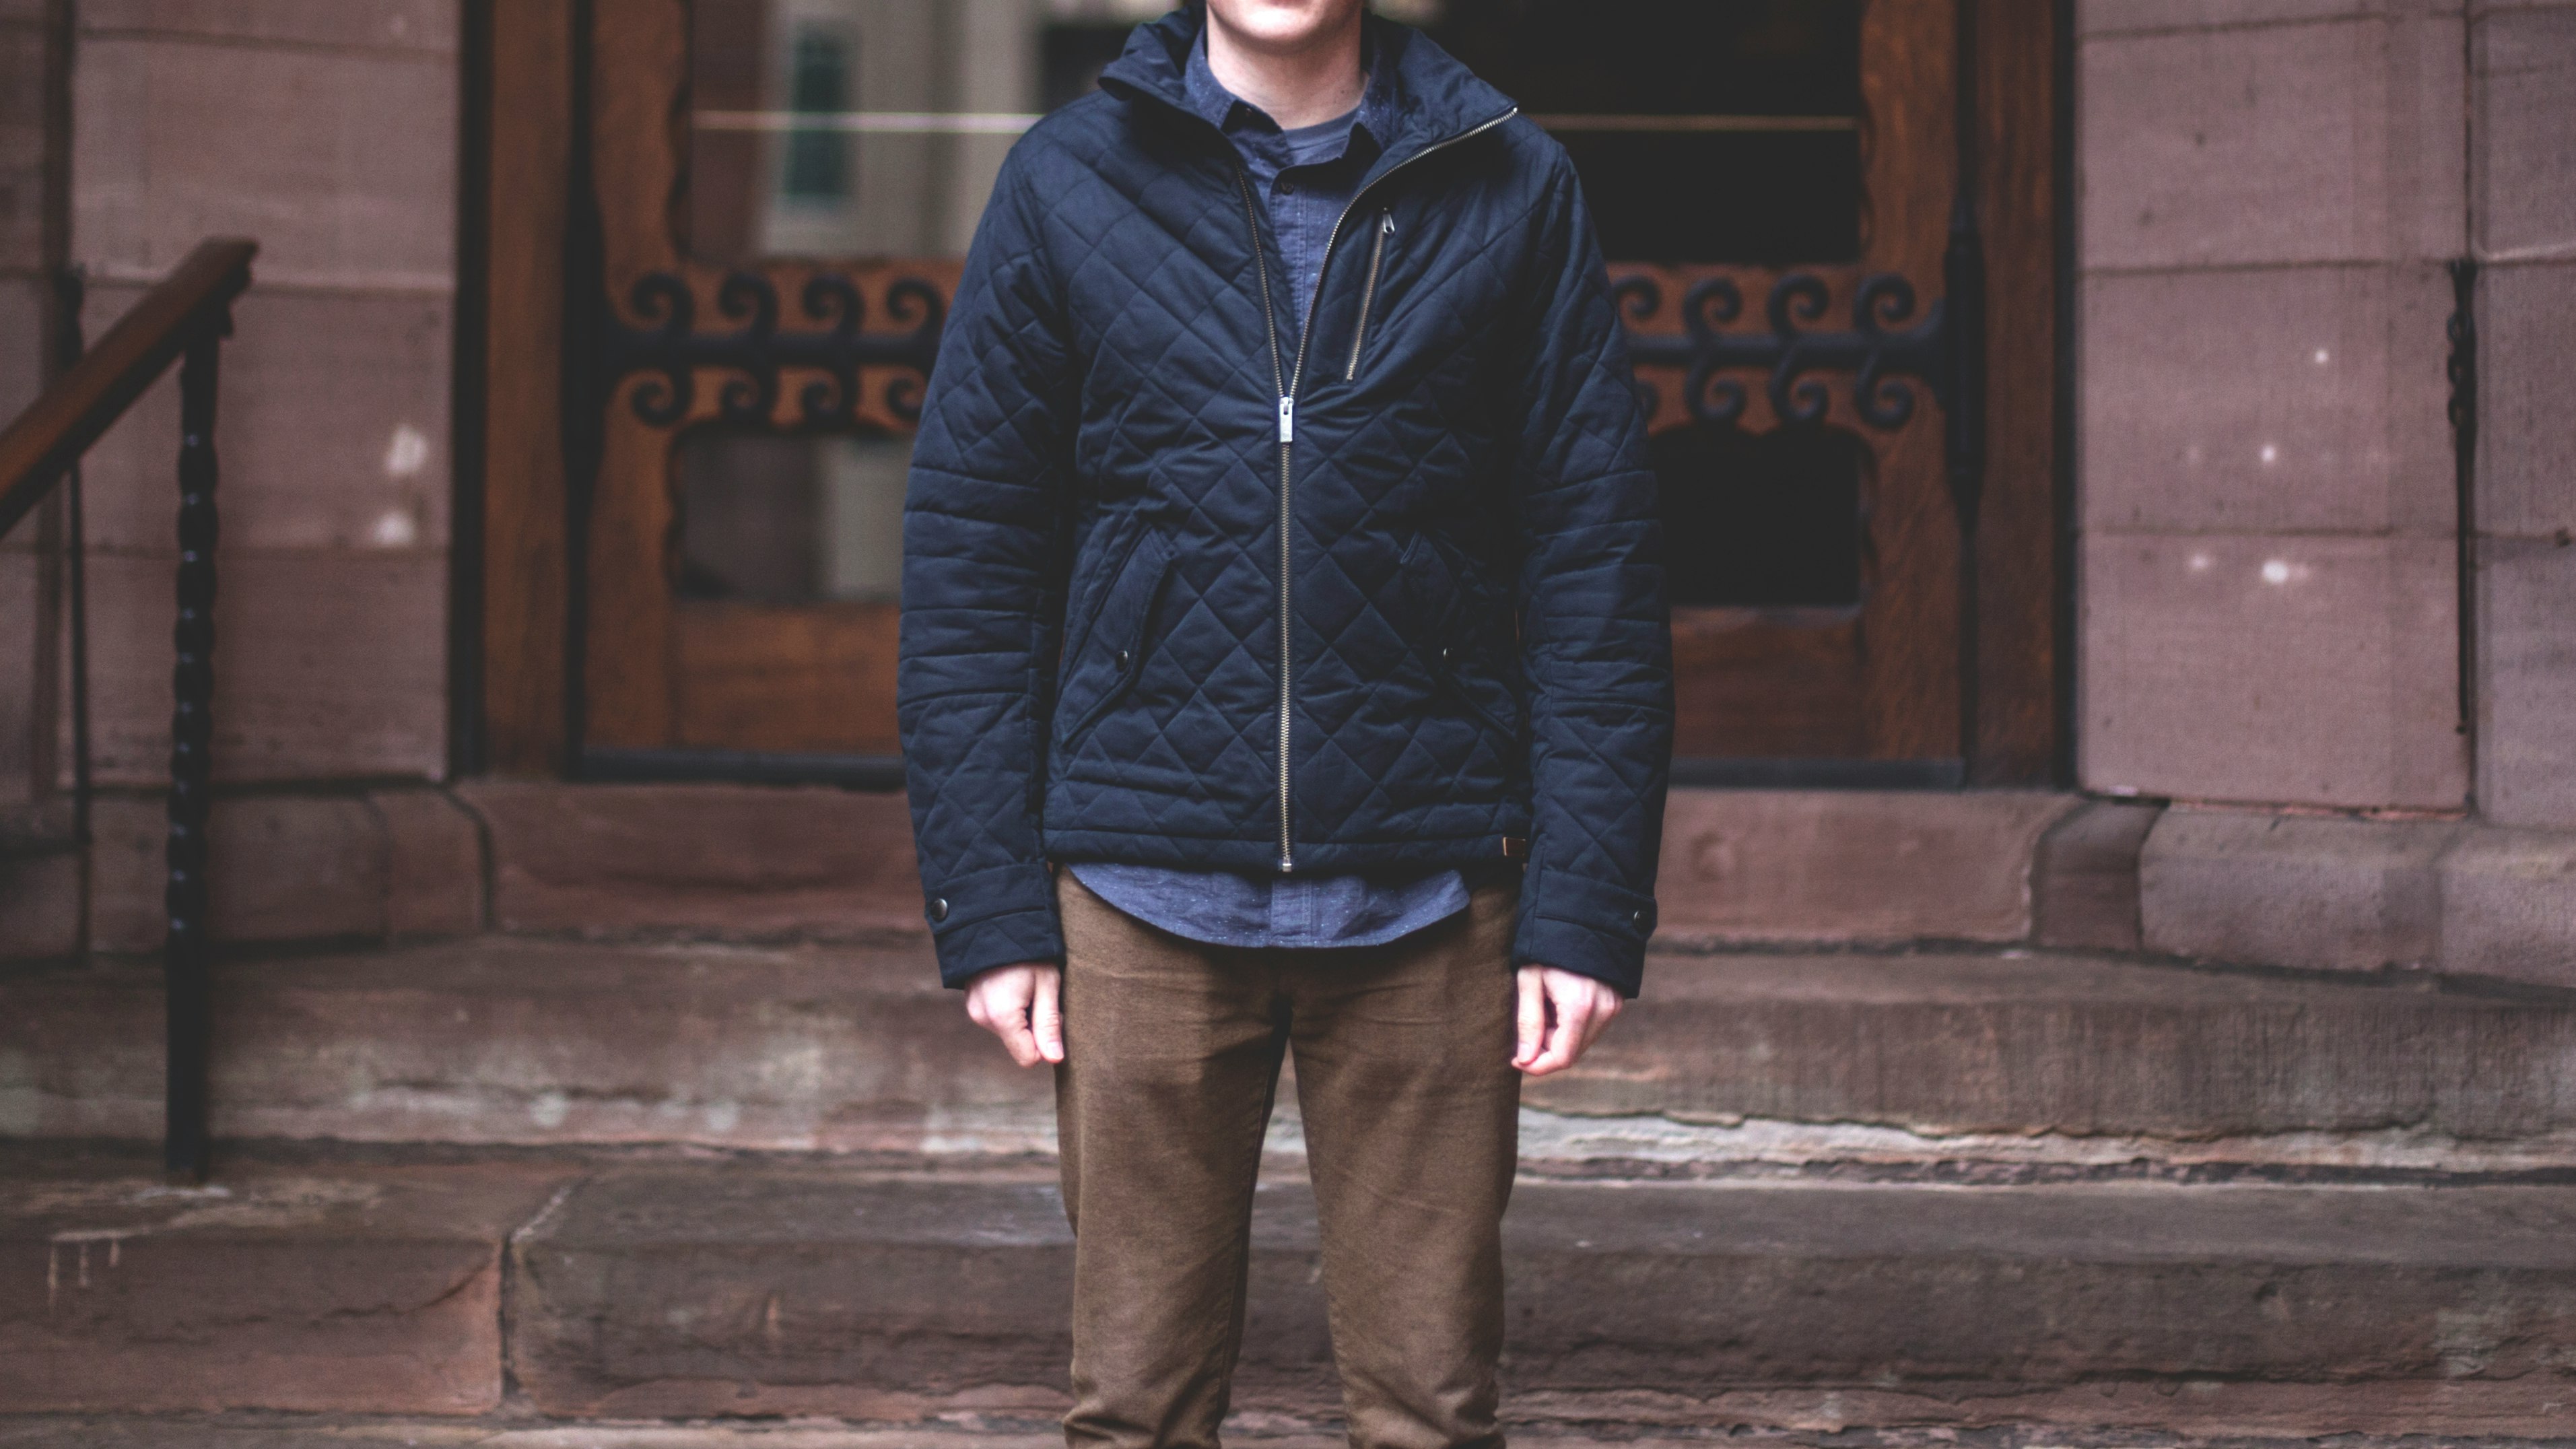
column 556, row 1043
column 433, row 863
column 2526, row 431
column 2525, row 437
column 22, row 153
column 2527, row 674
column 2337, row 141
column 341, row 162
column 280, row 868
column 2285, row 399
column 2509, row 906
column 51, row 1431
column 2286, row 890
column 39, row 905
column 333, row 432
column 2084, row 878
column 344, row 1289
column 2524, row 64
column 21, row 683
column 2112, row 17
column 326, row 666
column 295, row 868
column 1786, row 865
column 710, row 860
column 743, row 1290
column 498, row 1041
column 1951, row 1044
column 2309, row 670
column 416, row 25
column 22, row 301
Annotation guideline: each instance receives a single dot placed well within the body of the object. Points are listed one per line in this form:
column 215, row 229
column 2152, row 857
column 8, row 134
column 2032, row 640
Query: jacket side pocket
column 1111, row 653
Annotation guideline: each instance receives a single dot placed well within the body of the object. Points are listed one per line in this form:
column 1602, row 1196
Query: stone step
column 978, row 1432
column 2012, row 1056
column 316, row 1288
column 766, row 863
column 741, row 1287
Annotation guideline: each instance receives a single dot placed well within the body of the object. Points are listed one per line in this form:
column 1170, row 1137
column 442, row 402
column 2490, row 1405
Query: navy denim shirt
column 1306, row 178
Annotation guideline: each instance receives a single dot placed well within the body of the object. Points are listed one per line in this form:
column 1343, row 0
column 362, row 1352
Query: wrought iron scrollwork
column 1880, row 350
column 755, row 350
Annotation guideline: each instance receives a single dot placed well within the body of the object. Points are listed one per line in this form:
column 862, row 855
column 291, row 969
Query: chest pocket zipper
column 1368, row 293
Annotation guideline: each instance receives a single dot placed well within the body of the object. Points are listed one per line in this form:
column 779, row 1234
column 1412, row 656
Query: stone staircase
column 535, row 1186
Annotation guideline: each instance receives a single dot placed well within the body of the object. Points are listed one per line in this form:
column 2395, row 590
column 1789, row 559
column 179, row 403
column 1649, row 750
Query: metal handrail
column 184, row 320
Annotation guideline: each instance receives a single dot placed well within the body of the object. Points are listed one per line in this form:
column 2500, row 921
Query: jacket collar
column 1430, row 97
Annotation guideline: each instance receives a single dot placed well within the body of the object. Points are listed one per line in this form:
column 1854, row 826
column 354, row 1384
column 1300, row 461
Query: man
column 1280, row 561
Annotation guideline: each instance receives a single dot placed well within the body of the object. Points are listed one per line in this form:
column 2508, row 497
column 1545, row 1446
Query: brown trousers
column 1411, row 1107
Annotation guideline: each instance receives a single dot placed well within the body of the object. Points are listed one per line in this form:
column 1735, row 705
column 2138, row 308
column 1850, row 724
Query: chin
column 1284, row 24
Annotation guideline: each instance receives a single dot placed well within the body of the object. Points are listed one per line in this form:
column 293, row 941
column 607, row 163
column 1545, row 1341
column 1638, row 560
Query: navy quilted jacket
column 1190, row 581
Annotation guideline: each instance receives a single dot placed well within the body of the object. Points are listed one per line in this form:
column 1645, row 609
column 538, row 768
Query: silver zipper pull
column 1386, row 223
column 1287, row 420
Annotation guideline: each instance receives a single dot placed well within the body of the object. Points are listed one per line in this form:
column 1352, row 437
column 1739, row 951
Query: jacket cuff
column 997, row 917
column 1589, row 927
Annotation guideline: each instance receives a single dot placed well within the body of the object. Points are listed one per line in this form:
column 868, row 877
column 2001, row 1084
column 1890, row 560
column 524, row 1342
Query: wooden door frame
column 533, row 282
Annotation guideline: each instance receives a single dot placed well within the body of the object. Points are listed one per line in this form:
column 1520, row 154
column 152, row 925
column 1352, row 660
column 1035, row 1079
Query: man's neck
column 1303, row 86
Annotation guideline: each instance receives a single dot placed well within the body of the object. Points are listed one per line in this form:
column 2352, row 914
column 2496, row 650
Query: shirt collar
column 1230, row 113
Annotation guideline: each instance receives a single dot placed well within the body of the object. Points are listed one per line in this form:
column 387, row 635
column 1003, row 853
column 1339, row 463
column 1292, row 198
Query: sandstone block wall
column 23, row 617
column 327, row 130
column 2523, row 188
column 2268, row 193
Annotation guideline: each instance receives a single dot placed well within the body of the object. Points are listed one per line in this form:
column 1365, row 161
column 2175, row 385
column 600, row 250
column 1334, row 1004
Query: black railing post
column 185, row 958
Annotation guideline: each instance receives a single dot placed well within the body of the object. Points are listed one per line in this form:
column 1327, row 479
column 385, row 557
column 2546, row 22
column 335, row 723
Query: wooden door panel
column 806, row 679
column 834, row 344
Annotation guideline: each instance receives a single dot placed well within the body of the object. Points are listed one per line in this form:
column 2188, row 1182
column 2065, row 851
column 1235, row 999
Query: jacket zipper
column 1287, row 433
column 1368, row 294
column 1288, row 409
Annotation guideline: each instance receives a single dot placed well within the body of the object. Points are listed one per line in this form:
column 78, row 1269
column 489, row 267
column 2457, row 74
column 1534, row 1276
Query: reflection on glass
column 1705, row 131
column 780, row 519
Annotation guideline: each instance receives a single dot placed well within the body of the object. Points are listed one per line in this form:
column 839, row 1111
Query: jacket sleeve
column 983, row 519
column 1595, row 632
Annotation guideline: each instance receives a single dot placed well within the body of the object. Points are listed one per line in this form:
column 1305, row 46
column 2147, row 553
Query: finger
column 1565, row 1038
column 1046, row 1015
column 1531, row 1027
column 1017, row 1039
column 1605, row 1005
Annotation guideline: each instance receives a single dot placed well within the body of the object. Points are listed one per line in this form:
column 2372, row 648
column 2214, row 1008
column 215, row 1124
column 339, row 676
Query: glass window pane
column 768, row 518
column 1705, row 130
column 864, row 128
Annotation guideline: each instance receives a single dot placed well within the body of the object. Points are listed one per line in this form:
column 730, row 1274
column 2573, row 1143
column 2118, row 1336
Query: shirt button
column 1444, row 653
column 1126, row 657
column 939, row 908
column 1287, row 188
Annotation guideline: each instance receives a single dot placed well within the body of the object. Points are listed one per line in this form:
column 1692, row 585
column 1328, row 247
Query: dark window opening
column 817, row 162
column 1761, row 519
column 1704, row 132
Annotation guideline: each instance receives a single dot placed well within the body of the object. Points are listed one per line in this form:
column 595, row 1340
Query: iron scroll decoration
column 1880, row 351
column 672, row 348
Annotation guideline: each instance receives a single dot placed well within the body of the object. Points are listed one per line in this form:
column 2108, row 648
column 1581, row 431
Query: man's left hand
column 1560, row 1014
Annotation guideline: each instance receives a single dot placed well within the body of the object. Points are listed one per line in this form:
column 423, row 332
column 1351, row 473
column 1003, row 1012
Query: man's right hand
column 1024, row 1006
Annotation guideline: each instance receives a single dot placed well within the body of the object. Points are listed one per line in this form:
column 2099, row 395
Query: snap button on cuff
column 939, row 908
column 1637, row 919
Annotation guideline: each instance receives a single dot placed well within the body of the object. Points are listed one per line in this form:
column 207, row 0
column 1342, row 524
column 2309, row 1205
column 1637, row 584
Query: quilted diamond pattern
column 1477, row 635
